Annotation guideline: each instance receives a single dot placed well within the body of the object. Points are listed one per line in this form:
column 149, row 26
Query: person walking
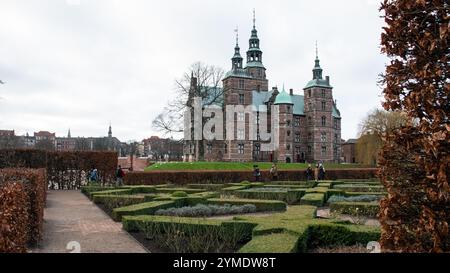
column 309, row 173
column 256, row 173
column 321, row 172
column 119, row 176
column 94, row 175
column 274, row 172
column 316, row 173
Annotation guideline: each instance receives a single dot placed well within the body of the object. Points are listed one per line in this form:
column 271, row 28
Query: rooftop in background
column 4, row 133
column 44, row 134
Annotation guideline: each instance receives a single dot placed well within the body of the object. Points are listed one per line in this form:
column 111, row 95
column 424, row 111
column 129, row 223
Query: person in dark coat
column 309, row 173
column 321, row 172
column 256, row 173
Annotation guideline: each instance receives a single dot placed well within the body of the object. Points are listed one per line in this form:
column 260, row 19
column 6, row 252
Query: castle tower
column 255, row 66
column 285, row 117
column 237, row 59
column 322, row 118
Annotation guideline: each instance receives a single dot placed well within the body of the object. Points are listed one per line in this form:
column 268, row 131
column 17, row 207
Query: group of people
column 93, row 177
column 317, row 174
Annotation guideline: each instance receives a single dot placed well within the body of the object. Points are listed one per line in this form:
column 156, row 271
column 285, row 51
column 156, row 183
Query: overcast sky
column 81, row 64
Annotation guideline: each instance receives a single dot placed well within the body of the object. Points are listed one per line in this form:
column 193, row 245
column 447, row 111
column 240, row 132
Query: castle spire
column 317, row 70
column 236, row 61
column 68, row 134
column 110, row 130
column 254, row 53
column 254, row 19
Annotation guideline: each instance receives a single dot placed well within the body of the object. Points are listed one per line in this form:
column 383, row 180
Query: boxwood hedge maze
column 245, row 217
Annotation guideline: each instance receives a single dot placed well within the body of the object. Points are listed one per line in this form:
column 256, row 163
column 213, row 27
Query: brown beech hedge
column 22, row 202
column 189, row 177
column 65, row 170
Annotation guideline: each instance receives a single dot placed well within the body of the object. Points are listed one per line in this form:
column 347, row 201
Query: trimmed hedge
column 223, row 177
column 34, row 182
column 208, row 187
column 172, row 190
column 116, row 201
column 141, row 209
column 356, row 208
column 65, row 170
column 14, row 218
column 359, row 188
column 271, row 243
column 288, row 196
column 261, row 205
column 313, row 199
column 190, row 235
column 329, row 234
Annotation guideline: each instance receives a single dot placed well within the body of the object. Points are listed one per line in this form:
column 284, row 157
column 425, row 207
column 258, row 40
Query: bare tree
column 202, row 81
column 371, row 130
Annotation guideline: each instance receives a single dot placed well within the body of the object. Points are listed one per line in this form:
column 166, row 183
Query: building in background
column 309, row 123
column 163, row 149
column 49, row 141
column 349, row 151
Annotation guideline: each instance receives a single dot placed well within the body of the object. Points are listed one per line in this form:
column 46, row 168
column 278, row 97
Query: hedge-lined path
column 71, row 217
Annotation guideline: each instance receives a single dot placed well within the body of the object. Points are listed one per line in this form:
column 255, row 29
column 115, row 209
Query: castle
column 309, row 125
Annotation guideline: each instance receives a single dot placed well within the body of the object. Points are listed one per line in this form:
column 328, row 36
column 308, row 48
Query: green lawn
column 238, row 166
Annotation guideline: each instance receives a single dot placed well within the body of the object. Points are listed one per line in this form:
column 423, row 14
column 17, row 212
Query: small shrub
column 179, row 194
column 357, row 198
column 202, row 210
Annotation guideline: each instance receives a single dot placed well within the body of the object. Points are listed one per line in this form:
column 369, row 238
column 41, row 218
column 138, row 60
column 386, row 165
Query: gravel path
column 72, row 223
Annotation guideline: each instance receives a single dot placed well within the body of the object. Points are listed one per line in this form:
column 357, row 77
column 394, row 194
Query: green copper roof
column 318, row 83
column 283, row 98
column 241, row 73
column 336, row 113
column 255, row 64
column 262, row 97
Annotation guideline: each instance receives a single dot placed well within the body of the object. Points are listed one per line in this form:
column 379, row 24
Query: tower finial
column 237, row 35
column 254, row 18
column 317, row 51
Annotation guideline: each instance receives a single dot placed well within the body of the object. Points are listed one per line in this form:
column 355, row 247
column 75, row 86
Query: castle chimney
column 328, row 79
column 291, row 92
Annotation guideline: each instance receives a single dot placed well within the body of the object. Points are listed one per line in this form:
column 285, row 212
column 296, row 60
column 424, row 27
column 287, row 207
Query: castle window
column 288, row 123
column 323, row 93
column 258, row 87
column 241, row 116
column 324, row 150
column 257, row 149
column 288, row 147
column 209, row 148
column 309, row 150
column 226, row 148
column 336, row 138
column 309, row 93
column 241, row 98
column 288, row 133
column 323, row 137
column 241, row 84
column 309, row 136
column 241, row 149
column 297, row 122
column 324, row 106
column 241, row 134
column 288, row 109
column 324, row 121
column 259, row 72
column 309, row 121
column 310, row 108
column 297, row 137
